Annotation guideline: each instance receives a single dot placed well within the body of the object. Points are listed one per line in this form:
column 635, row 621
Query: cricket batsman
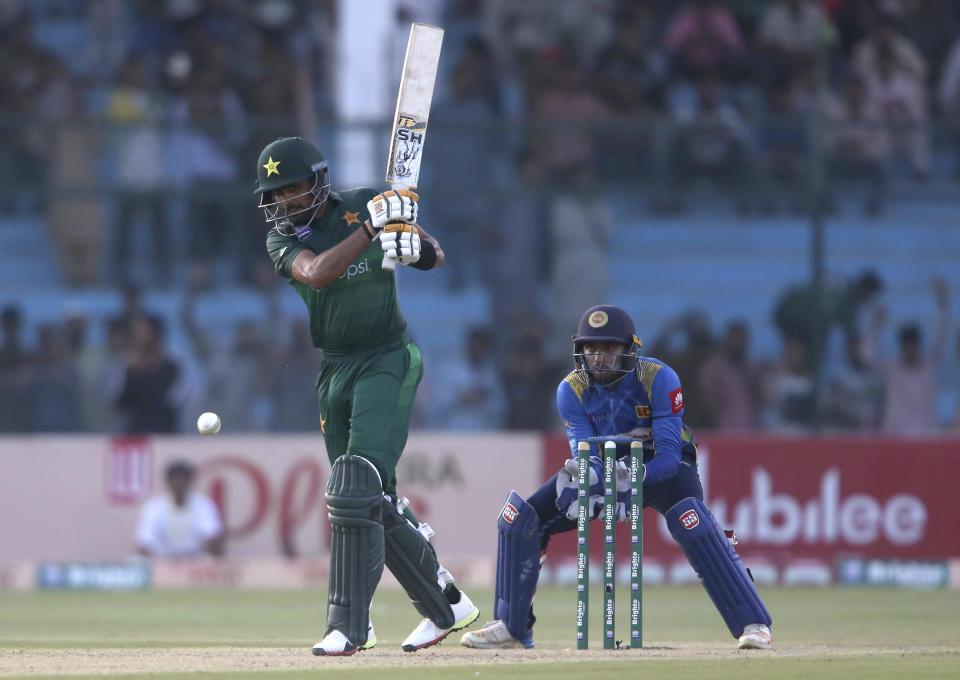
column 613, row 390
column 330, row 247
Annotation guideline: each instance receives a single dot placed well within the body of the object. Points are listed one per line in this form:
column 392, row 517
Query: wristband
column 367, row 227
column 428, row 256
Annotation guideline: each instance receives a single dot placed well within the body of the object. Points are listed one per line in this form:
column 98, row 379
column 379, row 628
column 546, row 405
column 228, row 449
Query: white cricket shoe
column 336, row 643
column 494, row 635
column 427, row 633
column 755, row 636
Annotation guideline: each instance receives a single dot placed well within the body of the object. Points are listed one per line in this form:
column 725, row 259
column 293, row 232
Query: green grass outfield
column 818, row 633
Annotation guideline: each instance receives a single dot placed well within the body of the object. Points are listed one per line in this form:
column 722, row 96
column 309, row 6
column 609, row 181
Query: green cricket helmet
column 287, row 161
column 607, row 323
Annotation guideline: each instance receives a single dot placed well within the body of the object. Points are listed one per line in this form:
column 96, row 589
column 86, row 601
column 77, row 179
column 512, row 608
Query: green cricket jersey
column 359, row 309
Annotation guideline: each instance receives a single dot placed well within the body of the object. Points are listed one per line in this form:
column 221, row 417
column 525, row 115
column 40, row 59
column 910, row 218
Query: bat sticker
column 407, row 144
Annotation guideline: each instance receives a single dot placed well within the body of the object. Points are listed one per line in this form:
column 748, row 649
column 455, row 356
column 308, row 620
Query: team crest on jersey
column 642, row 412
column 598, row 319
column 509, row 513
column 690, row 520
column 676, row 401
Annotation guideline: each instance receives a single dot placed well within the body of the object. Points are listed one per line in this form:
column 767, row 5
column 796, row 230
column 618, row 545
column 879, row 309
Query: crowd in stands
column 834, row 378
column 130, row 129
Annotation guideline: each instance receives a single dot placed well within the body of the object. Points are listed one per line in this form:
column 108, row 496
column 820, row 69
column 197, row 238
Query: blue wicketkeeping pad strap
column 717, row 564
column 518, row 565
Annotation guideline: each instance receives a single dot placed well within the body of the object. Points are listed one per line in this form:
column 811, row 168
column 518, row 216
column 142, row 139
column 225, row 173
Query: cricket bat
column 413, row 109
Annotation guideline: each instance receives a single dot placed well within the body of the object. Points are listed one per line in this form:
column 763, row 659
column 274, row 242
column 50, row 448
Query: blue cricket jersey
column 646, row 403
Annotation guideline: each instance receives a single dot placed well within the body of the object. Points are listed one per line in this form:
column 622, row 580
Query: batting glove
column 400, row 242
column 392, row 206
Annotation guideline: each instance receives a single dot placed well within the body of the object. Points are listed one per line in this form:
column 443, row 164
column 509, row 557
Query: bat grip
column 388, row 264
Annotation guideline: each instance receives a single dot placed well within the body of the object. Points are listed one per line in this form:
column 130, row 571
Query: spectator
column 910, row 399
column 806, row 313
column 209, row 131
column 580, row 235
column 783, row 142
column 629, row 73
column 565, row 153
column 948, row 98
column 630, row 78
column 854, row 397
column 182, row 522
column 686, row 343
column 12, row 351
column 469, row 396
column 297, row 365
column 33, row 84
column 519, row 30
column 15, row 364
column 703, row 38
column 132, row 310
column 791, row 34
column 948, row 89
column 790, row 391
column 529, row 379
column 730, row 382
column 237, row 384
column 884, row 37
column 465, row 124
column 857, row 141
column 136, row 107
column 93, row 409
column 517, row 280
column 100, row 368
column 566, row 113
column 852, row 19
column 931, row 25
column 150, row 394
column 54, row 384
column 710, row 142
column 902, row 102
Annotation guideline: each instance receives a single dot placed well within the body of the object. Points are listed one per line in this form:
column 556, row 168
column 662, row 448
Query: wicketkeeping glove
column 400, row 242
column 567, row 486
column 392, row 206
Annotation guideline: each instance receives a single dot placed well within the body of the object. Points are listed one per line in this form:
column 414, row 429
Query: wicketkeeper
column 613, row 390
column 330, row 247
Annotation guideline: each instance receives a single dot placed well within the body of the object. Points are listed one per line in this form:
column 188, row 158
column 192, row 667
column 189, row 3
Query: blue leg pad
column 717, row 564
column 518, row 566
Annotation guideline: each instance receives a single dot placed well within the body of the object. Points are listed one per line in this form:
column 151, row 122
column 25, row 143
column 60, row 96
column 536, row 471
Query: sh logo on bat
column 407, row 143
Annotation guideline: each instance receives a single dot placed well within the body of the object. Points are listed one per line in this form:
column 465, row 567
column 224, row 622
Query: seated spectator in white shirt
column 181, row 522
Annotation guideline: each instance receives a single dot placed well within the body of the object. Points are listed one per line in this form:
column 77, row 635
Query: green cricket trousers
column 366, row 400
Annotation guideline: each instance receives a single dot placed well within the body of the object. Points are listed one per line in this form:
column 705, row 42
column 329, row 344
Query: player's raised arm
column 321, row 269
column 388, row 211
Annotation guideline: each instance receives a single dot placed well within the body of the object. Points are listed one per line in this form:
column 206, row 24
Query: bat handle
column 389, row 264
